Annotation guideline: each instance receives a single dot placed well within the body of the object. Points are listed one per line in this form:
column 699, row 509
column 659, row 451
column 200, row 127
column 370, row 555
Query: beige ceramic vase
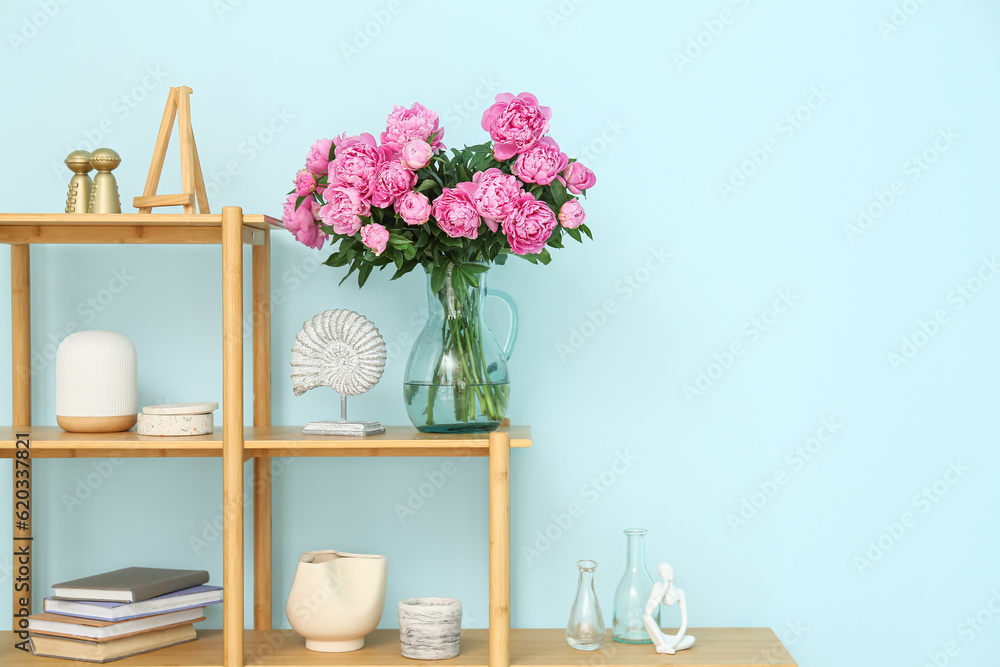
column 336, row 599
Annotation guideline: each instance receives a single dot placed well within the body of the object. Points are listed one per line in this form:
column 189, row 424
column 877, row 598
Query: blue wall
column 810, row 186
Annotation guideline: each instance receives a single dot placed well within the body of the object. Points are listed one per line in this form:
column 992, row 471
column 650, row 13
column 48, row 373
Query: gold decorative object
column 192, row 179
column 104, row 195
column 80, row 186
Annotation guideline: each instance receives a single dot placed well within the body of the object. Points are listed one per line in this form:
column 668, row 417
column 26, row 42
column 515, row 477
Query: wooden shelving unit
column 716, row 647
column 233, row 646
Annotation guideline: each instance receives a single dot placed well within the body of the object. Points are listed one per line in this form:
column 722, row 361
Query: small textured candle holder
column 430, row 628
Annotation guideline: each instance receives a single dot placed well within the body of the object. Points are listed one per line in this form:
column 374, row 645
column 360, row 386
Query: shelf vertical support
column 20, row 307
column 262, row 417
column 232, row 433
column 500, row 548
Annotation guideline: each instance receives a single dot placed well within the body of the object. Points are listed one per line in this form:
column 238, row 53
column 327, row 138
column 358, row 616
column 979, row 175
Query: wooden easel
column 192, row 180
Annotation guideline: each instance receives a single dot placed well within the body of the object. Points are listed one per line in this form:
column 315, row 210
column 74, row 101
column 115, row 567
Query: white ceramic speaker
column 96, row 383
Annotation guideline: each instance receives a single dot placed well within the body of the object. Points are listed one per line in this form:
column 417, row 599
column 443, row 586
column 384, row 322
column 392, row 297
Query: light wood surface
column 116, row 228
column 52, row 442
column 147, row 202
column 715, row 647
column 160, row 149
column 232, row 450
column 186, row 138
column 499, row 471
column 20, row 307
column 261, row 281
column 396, row 441
column 127, row 219
column 97, row 424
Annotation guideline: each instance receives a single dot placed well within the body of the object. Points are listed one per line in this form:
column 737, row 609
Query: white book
column 55, row 624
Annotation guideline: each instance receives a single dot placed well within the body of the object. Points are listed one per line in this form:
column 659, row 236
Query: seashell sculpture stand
column 343, row 350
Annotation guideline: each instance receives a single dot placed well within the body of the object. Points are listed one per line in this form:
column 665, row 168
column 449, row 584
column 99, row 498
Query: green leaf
column 475, row 268
column 425, row 185
column 458, row 281
column 586, row 230
column 501, row 259
column 559, row 195
column 364, row 272
column 438, row 274
column 575, row 233
column 544, row 257
column 299, row 200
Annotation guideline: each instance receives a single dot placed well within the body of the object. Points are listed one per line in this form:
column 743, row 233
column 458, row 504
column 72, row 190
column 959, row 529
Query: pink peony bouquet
column 402, row 200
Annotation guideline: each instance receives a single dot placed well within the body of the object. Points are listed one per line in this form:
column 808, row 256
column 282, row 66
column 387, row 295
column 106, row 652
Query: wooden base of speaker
column 96, row 424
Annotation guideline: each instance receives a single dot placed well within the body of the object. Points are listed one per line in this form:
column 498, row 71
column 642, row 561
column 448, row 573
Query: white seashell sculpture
column 344, row 350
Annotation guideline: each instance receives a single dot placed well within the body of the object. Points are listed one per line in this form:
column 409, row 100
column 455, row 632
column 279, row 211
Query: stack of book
column 121, row 613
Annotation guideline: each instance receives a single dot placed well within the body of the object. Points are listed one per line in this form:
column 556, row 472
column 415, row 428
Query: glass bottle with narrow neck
column 633, row 591
column 585, row 630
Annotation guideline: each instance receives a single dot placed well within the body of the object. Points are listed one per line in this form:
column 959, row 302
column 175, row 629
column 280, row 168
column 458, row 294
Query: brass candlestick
column 80, row 186
column 104, row 196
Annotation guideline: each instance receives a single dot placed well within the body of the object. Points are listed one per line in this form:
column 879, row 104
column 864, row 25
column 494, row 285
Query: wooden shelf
column 126, row 228
column 53, row 442
column 716, row 647
column 396, row 441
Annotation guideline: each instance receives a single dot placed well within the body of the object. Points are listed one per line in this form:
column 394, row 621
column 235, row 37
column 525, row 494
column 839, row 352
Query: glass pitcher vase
column 456, row 379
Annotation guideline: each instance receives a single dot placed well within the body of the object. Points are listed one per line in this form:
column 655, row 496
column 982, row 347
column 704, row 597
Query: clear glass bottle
column 633, row 591
column 585, row 630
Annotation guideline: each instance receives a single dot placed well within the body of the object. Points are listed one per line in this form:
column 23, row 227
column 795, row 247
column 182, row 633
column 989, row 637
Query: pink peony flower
column 456, row 213
column 413, row 207
column 529, row 225
column 495, row 195
column 301, row 223
column 391, row 180
column 343, row 210
column 375, row 236
column 416, row 154
column 356, row 163
column 417, row 122
column 515, row 123
column 318, row 159
column 541, row 163
column 571, row 214
column 305, row 183
column 577, row 178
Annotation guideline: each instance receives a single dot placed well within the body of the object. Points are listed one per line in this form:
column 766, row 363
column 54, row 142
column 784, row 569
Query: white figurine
column 665, row 593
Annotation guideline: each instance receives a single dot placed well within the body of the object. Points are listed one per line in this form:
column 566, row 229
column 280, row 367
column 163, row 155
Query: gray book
column 131, row 584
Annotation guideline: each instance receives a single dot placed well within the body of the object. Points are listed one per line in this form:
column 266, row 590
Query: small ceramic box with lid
column 175, row 419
